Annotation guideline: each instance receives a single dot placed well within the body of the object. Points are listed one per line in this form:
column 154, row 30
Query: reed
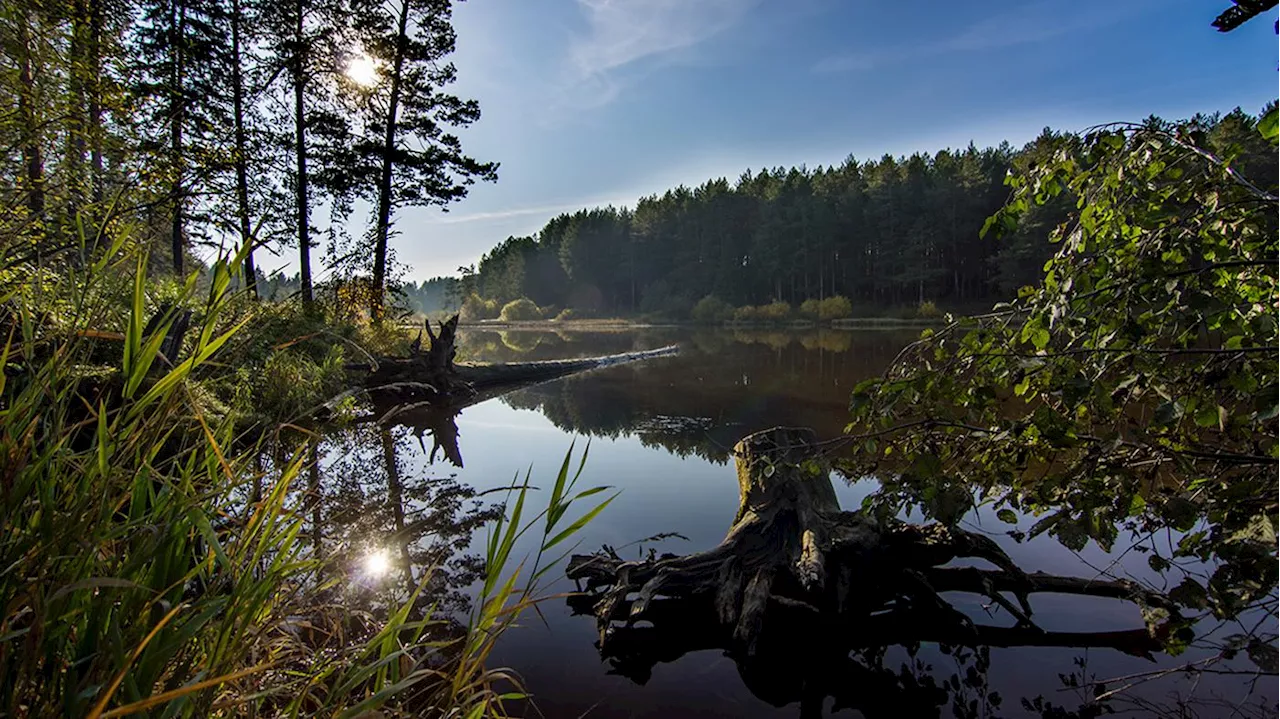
column 150, row 567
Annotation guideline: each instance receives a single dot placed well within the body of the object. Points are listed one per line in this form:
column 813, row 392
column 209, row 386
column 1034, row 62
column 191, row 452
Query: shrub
column 810, row 309
column 476, row 307
column 774, row 312
column 188, row 568
column 770, row 313
column 928, row 309
column 711, row 309
column 835, row 307
column 520, row 310
column 565, row 315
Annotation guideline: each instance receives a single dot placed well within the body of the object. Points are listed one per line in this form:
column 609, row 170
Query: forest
column 886, row 234
column 194, row 127
column 216, row 497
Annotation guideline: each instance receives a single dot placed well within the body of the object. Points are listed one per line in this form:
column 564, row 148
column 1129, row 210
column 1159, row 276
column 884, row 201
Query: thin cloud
column 1031, row 23
column 622, row 33
column 545, row 210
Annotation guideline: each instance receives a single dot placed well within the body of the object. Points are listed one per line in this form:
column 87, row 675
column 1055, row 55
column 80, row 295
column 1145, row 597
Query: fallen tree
column 797, row 584
column 430, row 376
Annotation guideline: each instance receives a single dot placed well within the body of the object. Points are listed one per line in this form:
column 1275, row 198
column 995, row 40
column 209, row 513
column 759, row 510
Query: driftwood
column 797, row 584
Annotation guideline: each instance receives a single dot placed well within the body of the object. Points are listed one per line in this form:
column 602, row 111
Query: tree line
column 188, row 124
column 893, row 232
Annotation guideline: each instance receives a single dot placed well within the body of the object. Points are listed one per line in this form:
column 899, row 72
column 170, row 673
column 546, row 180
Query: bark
column 32, row 156
column 95, row 105
column 382, row 233
column 300, row 143
column 77, row 79
column 242, row 149
column 797, row 584
column 177, row 107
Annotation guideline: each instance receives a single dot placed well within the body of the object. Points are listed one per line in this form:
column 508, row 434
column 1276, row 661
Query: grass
column 151, row 565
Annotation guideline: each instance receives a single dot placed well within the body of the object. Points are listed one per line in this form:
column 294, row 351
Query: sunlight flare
column 377, row 563
column 362, row 70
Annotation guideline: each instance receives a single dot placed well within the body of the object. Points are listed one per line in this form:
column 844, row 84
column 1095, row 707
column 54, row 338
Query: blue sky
column 589, row 102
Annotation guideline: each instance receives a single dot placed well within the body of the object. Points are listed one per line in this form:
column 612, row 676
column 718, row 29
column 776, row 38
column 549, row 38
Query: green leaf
column 582, row 522
column 1269, row 126
column 1008, row 516
column 1207, row 415
column 1261, row 529
column 1190, row 594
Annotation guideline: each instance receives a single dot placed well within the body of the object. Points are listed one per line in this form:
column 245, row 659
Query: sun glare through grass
column 377, row 563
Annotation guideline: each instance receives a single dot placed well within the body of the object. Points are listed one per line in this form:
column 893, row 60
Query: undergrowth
column 152, row 564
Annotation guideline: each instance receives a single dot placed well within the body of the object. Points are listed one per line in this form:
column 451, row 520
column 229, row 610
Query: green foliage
column 187, row 583
column 835, row 307
column 831, row 308
column 1134, row 389
column 520, row 310
column 290, row 384
column 475, row 307
column 564, row 315
column 772, row 313
column 712, row 310
column 928, row 310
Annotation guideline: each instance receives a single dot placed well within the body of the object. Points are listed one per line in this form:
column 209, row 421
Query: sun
column 377, row 563
column 362, row 70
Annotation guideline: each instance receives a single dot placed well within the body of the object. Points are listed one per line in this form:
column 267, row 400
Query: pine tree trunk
column 242, row 150
column 77, row 77
column 177, row 105
column 382, row 232
column 300, row 151
column 95, row 105
column 32, row 157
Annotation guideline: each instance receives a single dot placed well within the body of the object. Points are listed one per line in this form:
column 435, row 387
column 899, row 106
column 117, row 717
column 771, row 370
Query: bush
column 928, row 310
column 774, row 312
column 290, row 383
column 835, row 307
column 811, row 309
column 712, row 309
column 565, row 315
column 770, row 313
column 476, row 307
column 520, row 310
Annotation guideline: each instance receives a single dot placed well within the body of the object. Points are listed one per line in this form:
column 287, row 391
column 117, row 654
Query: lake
column 660, row 432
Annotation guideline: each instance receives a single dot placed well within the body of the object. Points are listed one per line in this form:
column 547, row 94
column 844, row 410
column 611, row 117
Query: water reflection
column 725, row 384
column 669, row 423
column 393, row 529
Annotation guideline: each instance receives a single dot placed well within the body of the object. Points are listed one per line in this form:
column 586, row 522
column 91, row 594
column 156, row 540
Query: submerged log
column 794, row 571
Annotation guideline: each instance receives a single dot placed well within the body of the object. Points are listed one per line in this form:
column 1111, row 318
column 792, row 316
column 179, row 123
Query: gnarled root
column 793, row 562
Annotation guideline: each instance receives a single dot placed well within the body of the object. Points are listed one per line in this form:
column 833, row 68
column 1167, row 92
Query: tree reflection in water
column 727, row 384
column 364, row 504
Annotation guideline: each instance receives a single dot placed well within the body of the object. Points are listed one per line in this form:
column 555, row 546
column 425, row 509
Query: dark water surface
column 660, row 431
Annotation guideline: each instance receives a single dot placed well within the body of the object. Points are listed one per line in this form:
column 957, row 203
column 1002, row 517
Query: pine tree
column 180, row 44
column 415, row 158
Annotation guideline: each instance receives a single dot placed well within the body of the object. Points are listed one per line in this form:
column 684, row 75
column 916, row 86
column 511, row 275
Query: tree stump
column 425, row 375
column 795, row 568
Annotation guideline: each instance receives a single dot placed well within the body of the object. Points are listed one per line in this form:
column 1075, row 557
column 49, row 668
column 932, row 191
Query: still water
column 660, row 433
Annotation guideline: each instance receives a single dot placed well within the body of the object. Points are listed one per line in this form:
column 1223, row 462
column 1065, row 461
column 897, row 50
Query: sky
column 595, row 102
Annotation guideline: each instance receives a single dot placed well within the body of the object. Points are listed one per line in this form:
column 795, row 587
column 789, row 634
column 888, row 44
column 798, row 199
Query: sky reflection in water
column 660, row 431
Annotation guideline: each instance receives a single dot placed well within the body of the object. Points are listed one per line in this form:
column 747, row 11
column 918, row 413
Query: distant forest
column 893, row 232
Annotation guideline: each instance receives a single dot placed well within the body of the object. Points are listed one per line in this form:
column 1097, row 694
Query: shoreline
column 618, row 324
